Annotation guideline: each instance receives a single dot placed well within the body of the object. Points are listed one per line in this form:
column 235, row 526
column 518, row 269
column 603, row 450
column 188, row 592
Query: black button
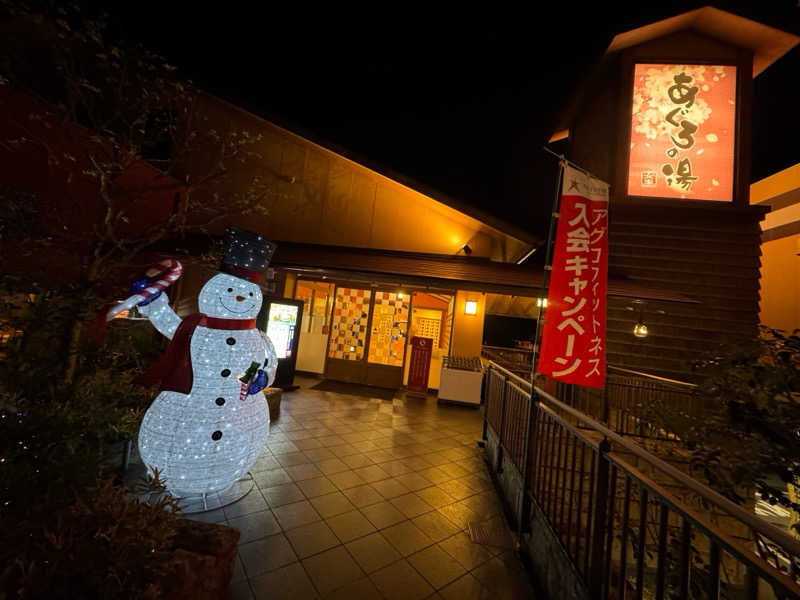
column 220, row 401
column 225, row 372
column 216, row 435
column 230, row 341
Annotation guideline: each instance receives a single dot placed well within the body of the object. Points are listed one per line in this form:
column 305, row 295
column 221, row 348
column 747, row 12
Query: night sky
column 460, row 102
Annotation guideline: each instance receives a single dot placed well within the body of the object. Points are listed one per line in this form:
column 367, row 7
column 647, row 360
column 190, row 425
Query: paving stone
column 283, row 494
column 465, row 587
column 332, row 504
column 311, row 539
column 253, row 502
column 435, row 525
column 287, row 583
column 332, row 569
column 411, row 505
column 346, row 479
column 435, row 496
column 465, row 551
column 390, row 488
column 301, row 472
column 436, row 566
column 266, row 555
column 399, row 581
column 373, row 552
column 362, row 495
column 350, row 525
column 371, row 473
column 271, row 478
column 383, row 514
column 363, row 589
column 406, row 537
column 255, row 526
column 292, row 458
column 294, row 515
column 318, row 486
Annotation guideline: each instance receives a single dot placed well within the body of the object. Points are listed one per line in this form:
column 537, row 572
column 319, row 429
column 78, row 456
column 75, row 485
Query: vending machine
column 280, row 318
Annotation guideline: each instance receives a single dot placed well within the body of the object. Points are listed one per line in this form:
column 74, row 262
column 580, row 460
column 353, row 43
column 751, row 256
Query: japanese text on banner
column 574, row 335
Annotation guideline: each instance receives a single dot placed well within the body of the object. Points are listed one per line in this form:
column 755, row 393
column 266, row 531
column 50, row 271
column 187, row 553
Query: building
column 780, row 248
column 377, row 259
column 665, row 119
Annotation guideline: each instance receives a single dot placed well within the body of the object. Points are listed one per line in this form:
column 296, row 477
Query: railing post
column 523, row 518
column 499, row 466
column 598, row 560
column 485, row 399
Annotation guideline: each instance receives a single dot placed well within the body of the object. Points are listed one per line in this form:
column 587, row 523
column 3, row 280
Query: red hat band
column 248, row 274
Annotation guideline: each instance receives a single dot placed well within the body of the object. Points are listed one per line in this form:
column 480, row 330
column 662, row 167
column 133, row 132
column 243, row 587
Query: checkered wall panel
column 349, row 324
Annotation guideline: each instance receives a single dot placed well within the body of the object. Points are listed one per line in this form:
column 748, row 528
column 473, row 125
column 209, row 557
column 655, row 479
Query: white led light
column 209, row 437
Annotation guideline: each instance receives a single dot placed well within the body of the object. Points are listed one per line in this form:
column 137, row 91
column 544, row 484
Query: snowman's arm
column 271, row 358
column 161, row 315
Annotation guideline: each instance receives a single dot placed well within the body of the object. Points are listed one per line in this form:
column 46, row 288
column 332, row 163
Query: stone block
column 204, row 558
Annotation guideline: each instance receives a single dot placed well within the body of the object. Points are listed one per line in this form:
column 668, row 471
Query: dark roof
column 431, row 191
column 437, row 271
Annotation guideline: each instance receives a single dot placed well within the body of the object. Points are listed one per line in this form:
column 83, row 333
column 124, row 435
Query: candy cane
column 167, row 271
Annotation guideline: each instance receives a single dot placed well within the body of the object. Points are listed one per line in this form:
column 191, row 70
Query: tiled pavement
column 363, row 498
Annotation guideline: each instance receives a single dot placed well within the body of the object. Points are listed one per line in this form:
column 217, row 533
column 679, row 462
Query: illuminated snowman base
column 200, row 503
column 205, row 502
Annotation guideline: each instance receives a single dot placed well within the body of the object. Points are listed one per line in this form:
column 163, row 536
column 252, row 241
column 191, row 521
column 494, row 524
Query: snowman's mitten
column 153, row 303
column 259, row 383
column 140, row 284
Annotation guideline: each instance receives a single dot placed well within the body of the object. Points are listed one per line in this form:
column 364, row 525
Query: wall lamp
column 470, row 307
column 640, row 329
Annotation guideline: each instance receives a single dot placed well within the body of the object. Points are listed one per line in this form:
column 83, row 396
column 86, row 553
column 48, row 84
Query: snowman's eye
column 230, row 289
column 251, row 293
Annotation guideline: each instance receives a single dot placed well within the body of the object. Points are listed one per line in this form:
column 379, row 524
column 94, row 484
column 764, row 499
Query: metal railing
column 626, row 399
column 632, row 525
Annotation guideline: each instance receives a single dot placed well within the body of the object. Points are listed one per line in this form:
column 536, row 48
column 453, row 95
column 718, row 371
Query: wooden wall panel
column 713, row 259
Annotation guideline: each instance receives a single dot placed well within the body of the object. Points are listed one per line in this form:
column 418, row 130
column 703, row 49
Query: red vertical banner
column 419, row 365
column 574, row 334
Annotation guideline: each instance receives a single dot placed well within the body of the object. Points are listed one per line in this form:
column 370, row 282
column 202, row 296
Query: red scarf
column 173, row 371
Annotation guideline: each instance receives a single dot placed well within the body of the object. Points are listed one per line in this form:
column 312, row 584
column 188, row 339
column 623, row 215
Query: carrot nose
column 239, row 298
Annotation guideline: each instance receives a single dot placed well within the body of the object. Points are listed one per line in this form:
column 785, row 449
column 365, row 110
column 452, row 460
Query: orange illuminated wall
column 683, row 131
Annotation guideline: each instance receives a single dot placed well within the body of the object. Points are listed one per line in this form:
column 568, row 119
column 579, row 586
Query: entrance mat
column 490, row 533
column 354, row 389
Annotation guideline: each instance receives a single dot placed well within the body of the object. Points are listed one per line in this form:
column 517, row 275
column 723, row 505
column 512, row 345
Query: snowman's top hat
column 246, row 254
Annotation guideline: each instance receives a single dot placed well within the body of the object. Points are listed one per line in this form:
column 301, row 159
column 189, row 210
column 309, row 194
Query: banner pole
column 548, row 259
column 571, row 164
column 523, row 516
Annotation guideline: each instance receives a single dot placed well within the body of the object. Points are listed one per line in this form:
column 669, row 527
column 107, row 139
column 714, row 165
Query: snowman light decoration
column 210, row 422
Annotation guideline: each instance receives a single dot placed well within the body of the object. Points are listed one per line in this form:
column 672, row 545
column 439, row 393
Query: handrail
column 642, row 374
column 506, row 349
column 754, row 522
column 508, row 373
column 651, row 376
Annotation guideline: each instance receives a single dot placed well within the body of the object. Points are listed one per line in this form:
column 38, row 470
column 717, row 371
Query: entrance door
column 367, row 341
column 347, row 342
column 387, row 341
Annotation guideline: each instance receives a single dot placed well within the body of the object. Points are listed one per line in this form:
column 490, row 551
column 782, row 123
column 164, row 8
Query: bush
column 747, row 438
column 68, row 527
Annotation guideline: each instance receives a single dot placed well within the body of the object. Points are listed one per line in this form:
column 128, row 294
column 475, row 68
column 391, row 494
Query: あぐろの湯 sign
column 683, row 131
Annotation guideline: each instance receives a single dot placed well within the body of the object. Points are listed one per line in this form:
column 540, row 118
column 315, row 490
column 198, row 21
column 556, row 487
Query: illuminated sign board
column 683, row 131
